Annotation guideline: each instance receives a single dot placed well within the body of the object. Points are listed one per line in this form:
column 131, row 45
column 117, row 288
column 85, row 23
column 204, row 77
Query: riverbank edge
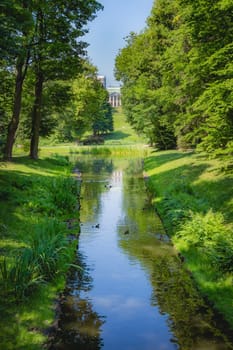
column 184, row 184
column 36, row 316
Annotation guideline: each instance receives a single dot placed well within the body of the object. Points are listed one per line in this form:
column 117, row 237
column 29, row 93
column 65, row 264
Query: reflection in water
column 79, row 325
column 131, row 274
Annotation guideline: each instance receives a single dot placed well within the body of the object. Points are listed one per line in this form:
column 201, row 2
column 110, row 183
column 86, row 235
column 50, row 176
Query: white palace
column 114, row 96
column 114, row 92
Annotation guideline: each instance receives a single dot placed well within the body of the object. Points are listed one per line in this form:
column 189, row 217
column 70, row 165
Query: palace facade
column 114, row 96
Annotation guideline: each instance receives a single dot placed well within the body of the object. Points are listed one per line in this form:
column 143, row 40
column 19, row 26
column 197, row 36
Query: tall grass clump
column 48, row 255
column 50, row 248
column 55, row 196
column 18, row 276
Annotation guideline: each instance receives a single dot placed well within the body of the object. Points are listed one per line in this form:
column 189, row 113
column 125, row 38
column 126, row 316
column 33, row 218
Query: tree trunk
column 13, row 125
column 36, row 116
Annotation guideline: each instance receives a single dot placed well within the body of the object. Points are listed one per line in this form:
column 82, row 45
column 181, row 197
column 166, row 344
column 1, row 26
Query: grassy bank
column 194, row 197
column 37, row 198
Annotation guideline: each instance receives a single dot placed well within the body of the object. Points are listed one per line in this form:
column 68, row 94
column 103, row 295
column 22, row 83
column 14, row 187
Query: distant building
column 102, row 79
column 114, row 96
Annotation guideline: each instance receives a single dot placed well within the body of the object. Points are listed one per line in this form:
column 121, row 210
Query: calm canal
column 132, row 292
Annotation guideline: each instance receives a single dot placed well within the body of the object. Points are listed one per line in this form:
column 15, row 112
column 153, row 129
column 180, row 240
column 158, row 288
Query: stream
column 133, row 292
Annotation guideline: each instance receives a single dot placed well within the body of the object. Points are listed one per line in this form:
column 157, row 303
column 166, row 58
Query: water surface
column 133, row 293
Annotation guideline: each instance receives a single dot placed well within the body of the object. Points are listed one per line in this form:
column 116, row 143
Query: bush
column 208, row 233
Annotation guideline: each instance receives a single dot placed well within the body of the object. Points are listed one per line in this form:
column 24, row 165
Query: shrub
column 208, row 233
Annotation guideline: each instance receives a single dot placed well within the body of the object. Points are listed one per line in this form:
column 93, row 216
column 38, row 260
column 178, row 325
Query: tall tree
column 16, row 25
column 140, row 66
column 58, row 53
column 206, row 84
column 91, row 111
column 45, row 34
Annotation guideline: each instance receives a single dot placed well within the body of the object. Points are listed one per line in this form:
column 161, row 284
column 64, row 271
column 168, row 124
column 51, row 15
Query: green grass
column 194, row 197
column 36, row 198
column 123, row 133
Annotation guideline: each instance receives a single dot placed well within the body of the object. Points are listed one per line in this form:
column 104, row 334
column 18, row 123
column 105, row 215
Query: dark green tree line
column 177, row 75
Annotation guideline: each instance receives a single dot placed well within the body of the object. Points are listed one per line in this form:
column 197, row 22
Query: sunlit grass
column 33, row 261
column 193, row 195
column 123, row 133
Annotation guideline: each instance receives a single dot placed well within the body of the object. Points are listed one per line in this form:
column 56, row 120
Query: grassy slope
column 194, row 198
column 123, row 133
column 22, row 325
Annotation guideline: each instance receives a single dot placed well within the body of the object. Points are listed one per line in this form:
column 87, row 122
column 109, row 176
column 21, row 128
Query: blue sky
column 110, row 27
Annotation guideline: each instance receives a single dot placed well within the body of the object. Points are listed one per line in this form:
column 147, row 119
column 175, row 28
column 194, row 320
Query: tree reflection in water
column 79, row 325
column 194, row 324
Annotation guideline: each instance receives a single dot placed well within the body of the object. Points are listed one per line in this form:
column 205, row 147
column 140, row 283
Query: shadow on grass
column 116, row 136
column 158, row 159
column 47, row 165
column 215, row 193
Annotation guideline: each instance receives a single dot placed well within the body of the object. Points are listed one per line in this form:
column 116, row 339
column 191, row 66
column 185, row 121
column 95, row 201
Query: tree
column 178, row 75
column 16, row 25
column 207, row 75
column 58, row 53
column 91, row 110
column 46, row 35
column 140, row 66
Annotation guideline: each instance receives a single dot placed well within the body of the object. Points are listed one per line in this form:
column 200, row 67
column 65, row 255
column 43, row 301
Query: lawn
column 194, row 197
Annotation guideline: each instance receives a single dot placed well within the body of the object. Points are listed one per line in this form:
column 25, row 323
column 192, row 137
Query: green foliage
column 140, row 66
column 194, row 200
column 56, row 196
column 209, row 234
column 177, row 76
column 90, row 109
column 19, row 277
column 42, row 39
column 49, row 246
column 47, row 255
column 36, row 249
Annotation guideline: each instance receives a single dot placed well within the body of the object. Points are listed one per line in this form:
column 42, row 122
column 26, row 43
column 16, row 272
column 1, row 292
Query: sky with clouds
column 110, row 27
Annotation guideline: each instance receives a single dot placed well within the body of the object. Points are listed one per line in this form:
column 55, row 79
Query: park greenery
column 176, row 93
column 47, row 85
column 177, row 76
column 193, row 196
column 39, row 226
